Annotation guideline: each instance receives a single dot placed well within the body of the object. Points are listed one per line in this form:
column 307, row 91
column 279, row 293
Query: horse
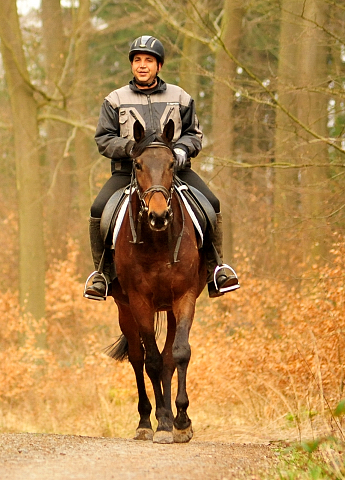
column 159, row 267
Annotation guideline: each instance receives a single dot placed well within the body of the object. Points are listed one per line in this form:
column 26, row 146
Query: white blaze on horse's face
column 154, row 172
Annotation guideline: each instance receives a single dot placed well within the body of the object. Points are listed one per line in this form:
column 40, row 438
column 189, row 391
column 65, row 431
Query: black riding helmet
column 147, row 44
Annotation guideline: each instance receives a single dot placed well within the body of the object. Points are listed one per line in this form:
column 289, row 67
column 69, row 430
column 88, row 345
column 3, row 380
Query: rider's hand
column 180, row 158
column 129, row 148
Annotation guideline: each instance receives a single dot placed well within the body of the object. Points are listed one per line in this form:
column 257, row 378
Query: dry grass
column 267, row 361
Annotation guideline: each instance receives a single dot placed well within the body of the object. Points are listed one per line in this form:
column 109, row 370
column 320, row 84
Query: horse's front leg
column 169, row 365
column 183, row 310
column 154, row 369
column 136, row 358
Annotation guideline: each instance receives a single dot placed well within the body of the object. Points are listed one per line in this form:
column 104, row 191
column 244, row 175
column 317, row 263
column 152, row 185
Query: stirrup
column 95, row 297
column 224, row 289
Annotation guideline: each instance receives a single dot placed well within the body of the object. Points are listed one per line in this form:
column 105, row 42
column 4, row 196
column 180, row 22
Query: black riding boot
column 221, row 278
column 101, row 277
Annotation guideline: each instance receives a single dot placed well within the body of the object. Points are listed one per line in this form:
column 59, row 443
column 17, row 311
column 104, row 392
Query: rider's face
column 145, row 68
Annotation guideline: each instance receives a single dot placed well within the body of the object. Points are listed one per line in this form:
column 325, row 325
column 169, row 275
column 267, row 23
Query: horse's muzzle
column 159, row 222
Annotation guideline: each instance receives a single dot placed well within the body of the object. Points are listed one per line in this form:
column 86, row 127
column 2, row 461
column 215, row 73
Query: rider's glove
column 129, row 148
column 180, row 158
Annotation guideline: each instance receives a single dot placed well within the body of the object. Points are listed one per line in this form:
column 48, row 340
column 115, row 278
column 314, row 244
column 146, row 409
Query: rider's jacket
column 153, row 108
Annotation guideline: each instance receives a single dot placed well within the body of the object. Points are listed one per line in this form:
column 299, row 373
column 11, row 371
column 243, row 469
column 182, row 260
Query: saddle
column 111, row 213
column 198, row 207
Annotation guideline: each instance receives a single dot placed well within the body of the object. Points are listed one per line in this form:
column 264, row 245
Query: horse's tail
column 118, row 350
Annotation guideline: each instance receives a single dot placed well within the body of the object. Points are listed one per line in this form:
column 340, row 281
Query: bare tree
column 222, row 111
column 312, row 111
column 58, row 169
column 302, row 83
column 26, row 151
column 79, row 107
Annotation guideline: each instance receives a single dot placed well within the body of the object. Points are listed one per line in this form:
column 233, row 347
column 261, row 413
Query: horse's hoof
column 144, row 434
column 183, row 436
column 163, row 437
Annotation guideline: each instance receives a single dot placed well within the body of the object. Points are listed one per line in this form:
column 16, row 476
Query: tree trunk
column 83, row 139
column 299, row 194
column 312, row 111
column 58, row 206
column 24, row 112
column 286, row 198
column 190, row 59
column 222, row 127
column 189, row 65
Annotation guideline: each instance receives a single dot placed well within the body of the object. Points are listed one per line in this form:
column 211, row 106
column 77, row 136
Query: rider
column 152, row 101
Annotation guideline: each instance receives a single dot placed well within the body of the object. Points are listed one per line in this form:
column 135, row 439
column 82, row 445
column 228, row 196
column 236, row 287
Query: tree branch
column 73, row 123
column 167, row 17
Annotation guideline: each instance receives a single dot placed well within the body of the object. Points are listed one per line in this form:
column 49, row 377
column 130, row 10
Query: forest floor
column 42, row 456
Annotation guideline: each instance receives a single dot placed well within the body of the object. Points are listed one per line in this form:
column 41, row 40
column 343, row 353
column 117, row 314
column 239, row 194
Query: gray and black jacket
column 153, row 108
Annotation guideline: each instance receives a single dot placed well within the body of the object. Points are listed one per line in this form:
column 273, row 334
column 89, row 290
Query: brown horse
column 159, row 268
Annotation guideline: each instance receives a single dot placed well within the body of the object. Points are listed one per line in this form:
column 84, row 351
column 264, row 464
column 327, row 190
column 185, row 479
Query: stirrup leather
column 224, row 289
column 95, row 297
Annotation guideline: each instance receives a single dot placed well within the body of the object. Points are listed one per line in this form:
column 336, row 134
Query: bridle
column 167, row 194
column 144, row 206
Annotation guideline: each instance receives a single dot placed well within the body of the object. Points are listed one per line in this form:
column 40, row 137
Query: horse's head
column 154, row 171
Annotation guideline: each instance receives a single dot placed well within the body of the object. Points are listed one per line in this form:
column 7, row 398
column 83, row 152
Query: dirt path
column 41, row 457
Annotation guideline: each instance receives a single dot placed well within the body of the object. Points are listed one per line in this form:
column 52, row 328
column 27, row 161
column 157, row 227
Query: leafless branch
column 69, row 121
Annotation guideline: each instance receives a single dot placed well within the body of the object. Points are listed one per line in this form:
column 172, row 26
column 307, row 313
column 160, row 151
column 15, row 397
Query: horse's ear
column 168, row 132
column 138, row 131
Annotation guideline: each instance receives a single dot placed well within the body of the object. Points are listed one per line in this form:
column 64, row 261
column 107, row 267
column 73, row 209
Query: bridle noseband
column 167, row 194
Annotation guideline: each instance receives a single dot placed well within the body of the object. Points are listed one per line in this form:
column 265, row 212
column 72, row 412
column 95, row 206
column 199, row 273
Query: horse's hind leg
column 184, row 312
column 136, row 358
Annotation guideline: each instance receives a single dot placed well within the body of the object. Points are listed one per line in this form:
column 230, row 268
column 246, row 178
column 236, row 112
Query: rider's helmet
column 147, row 44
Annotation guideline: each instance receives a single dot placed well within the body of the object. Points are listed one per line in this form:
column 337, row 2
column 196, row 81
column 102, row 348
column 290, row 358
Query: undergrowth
column 267, row 365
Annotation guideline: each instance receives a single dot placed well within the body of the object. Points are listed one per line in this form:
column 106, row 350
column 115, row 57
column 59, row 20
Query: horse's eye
column 138, row 166
column 171, row 166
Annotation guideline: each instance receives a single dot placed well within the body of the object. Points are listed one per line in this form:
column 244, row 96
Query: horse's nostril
column 158, row 222
column 152, row 218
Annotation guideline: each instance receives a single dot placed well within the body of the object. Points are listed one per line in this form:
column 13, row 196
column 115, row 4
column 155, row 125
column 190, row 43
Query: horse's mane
column 151, row 136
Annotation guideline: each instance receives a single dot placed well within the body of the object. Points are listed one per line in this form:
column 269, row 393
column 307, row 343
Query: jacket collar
column 160, row 87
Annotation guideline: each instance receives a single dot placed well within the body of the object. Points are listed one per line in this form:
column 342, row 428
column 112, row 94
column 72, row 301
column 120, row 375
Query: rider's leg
column 225, row 277
column 98, row 287
column 221, row 278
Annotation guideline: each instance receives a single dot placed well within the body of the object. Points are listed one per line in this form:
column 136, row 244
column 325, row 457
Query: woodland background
column 268, row 78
